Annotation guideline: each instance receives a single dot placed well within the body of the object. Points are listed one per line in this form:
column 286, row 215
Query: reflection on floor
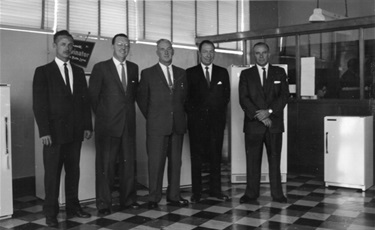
column 310, row 206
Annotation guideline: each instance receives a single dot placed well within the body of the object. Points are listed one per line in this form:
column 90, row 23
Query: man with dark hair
column 206, row 106
column 112, row 89
column 161, row 97
column 263, row 94
column 63, row 115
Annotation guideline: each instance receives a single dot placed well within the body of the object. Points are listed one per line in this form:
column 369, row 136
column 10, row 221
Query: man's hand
column 267, row 122
column 262, row 114
column 88, row 134
column 46, row 140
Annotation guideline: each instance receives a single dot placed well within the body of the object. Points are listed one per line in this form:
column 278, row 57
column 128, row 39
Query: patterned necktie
column 170, row 83
column 67, row 80
column 207, row 77
column 123, row 76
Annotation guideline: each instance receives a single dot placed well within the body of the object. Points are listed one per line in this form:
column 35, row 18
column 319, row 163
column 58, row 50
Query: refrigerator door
column 347, row 150
column 6, row 191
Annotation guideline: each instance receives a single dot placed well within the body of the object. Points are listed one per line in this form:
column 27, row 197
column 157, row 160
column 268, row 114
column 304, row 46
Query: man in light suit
column 161, row 97
column 263, row 94
column 63, row 116
column 208, row 97
column 112, row 89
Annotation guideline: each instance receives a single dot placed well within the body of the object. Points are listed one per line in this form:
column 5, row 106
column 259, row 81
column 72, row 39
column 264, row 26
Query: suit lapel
column 202, row 74
column 269, row 79
column 162, row 76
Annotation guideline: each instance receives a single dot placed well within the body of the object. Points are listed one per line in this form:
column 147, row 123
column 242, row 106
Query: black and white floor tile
column 310, row 206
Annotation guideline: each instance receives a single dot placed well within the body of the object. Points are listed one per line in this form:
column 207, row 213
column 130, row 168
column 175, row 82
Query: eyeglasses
column 126, row 45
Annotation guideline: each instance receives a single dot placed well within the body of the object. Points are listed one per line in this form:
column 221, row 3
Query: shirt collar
column 164, row 66
column 59, row 62
column 260, row 68
column 204, row 66
column 117, row 62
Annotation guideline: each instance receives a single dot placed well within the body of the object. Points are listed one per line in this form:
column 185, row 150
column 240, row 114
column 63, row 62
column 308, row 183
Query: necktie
column 170, row 83
column 67, row 81
column 207, row 76
column 264, row 77
column 123, row 76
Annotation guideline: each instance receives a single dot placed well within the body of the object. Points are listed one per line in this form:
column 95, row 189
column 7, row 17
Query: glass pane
column 49, row 14
column 206, row 18
column 158, row 20
column 112, row 18
column 136, row 22
column 62, row 7
column 21, row 13
column 184, row 22
column 369, row 68
column 83, row 23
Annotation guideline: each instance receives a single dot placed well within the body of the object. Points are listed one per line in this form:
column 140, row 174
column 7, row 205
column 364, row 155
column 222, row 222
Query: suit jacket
column 57, row 112
column 253, row 98
column 202, row 98
column 114, row 107
column 163, row 108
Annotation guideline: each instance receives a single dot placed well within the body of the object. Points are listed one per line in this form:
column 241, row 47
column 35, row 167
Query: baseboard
column 24, row 186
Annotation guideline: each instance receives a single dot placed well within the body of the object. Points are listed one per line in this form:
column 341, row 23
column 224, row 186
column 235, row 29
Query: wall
column 22, row 52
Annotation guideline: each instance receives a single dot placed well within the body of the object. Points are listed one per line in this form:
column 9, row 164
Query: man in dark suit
column 161, row 97
column 208, row 97
column 63, row 116
column 263, row 92
column 112, row 89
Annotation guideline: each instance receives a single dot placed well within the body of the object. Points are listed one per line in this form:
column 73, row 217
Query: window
column 143, row 20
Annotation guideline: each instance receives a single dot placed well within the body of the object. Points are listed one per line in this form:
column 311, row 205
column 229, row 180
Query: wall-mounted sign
column 82, row 52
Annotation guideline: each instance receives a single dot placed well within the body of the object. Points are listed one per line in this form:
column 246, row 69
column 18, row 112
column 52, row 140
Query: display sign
column 81, row 53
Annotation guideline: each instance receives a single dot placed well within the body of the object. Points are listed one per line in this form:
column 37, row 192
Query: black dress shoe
column 134, row 205
column 281, row 199
column 104, row 211
column 220, row 196
column 152, row 205
column 79, row 213
column 195, row 198
column 180, row 203
column 246, row 199
column 51, row 221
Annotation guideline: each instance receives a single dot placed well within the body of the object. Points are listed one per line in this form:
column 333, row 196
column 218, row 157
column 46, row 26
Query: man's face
column 121, row 48
column 64, row 47
column 207, row 54
column 261, row 54
column 165, row 52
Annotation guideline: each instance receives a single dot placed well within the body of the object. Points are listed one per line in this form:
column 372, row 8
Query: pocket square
column 219, row 83
column 277, row 82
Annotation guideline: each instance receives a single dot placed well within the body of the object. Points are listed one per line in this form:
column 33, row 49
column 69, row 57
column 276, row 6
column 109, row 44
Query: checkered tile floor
column 310, row 206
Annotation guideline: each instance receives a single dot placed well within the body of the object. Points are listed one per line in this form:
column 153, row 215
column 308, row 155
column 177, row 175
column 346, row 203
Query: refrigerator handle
column 7, row 142
column 326, row 142
column 6, row 137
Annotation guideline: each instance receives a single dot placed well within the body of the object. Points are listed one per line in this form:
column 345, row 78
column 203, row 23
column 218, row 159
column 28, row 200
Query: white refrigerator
column 6, row 183
column 348, row 152
column 237, row 136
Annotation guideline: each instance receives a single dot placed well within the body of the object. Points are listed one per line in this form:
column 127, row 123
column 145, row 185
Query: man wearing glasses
column 112, row 89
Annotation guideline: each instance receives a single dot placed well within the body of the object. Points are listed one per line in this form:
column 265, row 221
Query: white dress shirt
column 209, row 70
column 260, row 70
column 119, row 68
column 164, row 68
column 60, row 64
